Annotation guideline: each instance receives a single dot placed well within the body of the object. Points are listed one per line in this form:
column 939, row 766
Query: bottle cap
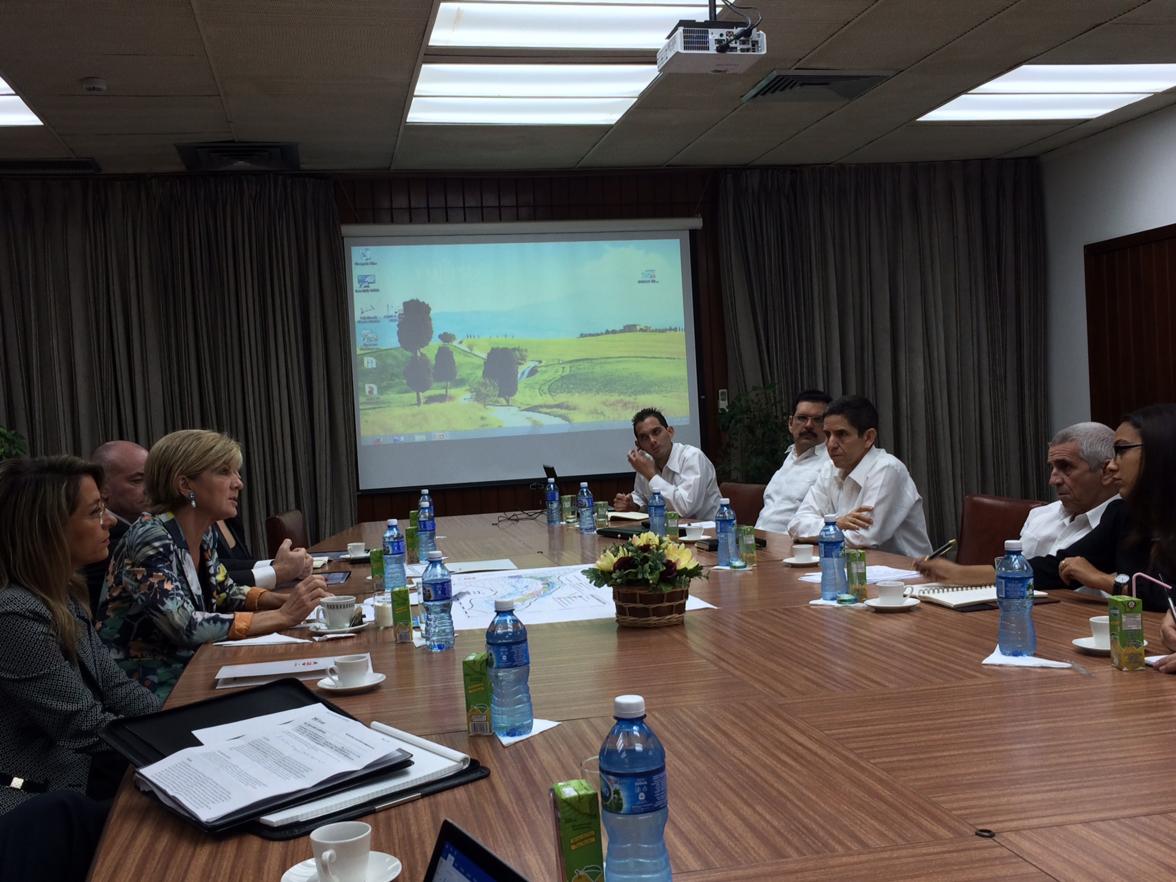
column 627, row 707
column 434, row 555
column 392, row 522
column 425, row 491
column 830, row 519
column 503, row 604
column 551, row 480
column 1013, row 545
column 724, row 501
column 583, row 483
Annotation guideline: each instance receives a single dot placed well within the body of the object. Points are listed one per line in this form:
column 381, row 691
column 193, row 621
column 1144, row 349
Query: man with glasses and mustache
column 802, row 464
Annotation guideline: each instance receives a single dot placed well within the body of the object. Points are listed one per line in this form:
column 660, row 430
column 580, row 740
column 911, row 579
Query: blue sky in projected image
column 535, row 289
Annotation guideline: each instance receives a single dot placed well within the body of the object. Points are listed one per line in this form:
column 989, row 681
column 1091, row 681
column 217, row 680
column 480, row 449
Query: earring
column 192, row 498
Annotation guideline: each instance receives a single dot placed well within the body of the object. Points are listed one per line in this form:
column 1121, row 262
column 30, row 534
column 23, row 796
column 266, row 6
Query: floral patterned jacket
column 158, row 605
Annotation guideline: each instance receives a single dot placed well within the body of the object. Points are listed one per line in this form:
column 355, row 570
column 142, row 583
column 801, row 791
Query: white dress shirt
column 879, row 480
column 687, row 484
column 789, row 486
column 1048, row 529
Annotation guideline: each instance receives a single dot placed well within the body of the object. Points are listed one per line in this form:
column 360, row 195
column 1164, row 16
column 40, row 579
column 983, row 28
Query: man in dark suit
column 123, row 462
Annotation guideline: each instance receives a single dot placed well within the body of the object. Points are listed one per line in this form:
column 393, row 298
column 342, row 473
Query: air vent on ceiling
column 815, row 85
column 243, row 156
column 49, row 167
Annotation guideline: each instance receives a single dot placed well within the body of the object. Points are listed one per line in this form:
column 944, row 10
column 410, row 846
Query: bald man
column 123, row 462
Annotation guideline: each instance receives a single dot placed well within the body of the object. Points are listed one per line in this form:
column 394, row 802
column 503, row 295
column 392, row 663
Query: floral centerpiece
column 650, row 578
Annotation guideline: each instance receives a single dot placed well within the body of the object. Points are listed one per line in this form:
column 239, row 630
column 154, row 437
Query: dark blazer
column 238, row 560
column 95, row 573
column 53, row 710
column 1109, row 548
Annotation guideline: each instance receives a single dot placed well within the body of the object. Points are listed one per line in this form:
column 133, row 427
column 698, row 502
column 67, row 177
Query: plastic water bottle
column 657, row 514
column 1014, row 594
column 832, row 541
column 727, row 535
column 584, row 509
column 510, row 667
column 437, row 598
column 395, row 555
column 426, row 526
column 551, row 500
column 633, row 797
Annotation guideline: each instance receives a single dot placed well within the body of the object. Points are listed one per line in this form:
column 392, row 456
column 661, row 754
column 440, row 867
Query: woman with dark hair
column 1138, row 533
column 167, row 592
column 58, row 685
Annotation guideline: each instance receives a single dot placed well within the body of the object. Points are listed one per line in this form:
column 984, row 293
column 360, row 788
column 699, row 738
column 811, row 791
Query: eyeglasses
column 99, row 515
column 804, row 420
column 1120, row 449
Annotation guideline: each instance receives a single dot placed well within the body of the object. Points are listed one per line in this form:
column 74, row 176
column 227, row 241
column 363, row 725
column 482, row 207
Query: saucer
column 1086, row 644
column 793, row 562
column 381, row 868
column 372, row 682
column 321, row 628
column 907, row 604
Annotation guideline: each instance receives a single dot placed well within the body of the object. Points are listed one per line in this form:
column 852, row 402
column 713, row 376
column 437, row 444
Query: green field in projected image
column 497, row 382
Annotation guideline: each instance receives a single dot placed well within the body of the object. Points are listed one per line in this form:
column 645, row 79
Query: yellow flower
column 680, row 555
column 647, row 540
column 607, row 560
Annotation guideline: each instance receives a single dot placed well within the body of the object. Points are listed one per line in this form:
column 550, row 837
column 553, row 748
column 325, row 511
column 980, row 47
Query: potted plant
column 12, row 444
column 650, row 578
column 755, row 427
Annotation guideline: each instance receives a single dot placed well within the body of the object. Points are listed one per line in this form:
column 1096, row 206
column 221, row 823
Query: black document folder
column 149, row 738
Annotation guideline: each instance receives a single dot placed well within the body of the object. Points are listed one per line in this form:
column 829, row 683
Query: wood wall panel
column 1131, row 322
column 486, row 198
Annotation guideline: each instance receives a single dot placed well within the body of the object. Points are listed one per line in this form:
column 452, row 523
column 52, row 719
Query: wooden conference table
column 803, row 742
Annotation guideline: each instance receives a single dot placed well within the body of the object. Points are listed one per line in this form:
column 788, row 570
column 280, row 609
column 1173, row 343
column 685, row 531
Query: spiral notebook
column 965, row 596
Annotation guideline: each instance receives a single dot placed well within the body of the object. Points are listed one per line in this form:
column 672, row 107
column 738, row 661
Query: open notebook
column 961, row 596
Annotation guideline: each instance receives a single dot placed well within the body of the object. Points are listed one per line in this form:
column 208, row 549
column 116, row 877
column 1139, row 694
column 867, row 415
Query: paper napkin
column 1023, row 661
column 537, row 727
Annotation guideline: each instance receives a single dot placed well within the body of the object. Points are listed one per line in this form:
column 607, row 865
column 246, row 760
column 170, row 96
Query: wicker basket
column 638, row 607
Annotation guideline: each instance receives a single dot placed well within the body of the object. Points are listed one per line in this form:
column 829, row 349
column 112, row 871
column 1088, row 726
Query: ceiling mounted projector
column 711, row 47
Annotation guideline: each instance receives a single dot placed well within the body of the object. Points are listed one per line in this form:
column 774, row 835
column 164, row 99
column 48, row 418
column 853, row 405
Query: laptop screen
column 458, row 857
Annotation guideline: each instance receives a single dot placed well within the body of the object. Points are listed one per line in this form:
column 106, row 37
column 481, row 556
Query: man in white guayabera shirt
column 803, row 462
column 680, row 472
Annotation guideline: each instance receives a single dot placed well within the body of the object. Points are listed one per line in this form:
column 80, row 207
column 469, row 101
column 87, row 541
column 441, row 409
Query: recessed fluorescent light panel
column 13, row 111
column 559, row 25
column 527, row 94
column 1057, row 92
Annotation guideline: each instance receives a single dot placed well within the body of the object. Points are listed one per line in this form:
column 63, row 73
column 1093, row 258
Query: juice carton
column 475, row 674
column 401, row 615
column 578, row 845
column 855, row 573
column 1126, row 615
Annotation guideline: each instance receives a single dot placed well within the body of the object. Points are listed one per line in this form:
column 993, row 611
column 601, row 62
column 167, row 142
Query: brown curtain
column 920, row 286
column 131, row 308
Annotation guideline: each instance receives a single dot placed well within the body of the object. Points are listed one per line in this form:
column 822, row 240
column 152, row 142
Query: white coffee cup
column 338, row 610
column 890, row 593
column 350, row 670
column 356, row 549
column 802, row 553
column 693, row 532
column 341, row 851
column 1100, row 631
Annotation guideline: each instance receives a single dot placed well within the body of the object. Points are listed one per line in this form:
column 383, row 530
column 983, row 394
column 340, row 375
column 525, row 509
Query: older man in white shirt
column 803, row 462
column 680, row 472
column 871, row 491
column 1077, row 459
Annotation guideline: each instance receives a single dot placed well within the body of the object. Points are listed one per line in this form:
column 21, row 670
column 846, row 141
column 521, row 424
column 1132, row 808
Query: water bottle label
column 1013, row 589
column 431, row 591
column 509, row 655
column 633, row 794
column 397, row 546
column 425, row 524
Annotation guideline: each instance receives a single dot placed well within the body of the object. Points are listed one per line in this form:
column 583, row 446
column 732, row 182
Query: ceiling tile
column 929, row 142
column 478, row 148
column 31, row 142
column 112, row 114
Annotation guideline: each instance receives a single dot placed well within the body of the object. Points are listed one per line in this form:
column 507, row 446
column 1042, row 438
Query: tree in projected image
column 445, row 366
column 418, row 373
column 415, row 329
column 502, row 366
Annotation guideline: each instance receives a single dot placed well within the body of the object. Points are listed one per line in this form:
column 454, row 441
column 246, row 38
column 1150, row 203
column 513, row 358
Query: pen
column 942, row 549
